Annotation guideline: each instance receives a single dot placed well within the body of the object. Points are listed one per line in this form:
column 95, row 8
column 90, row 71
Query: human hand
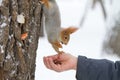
column 60, row 62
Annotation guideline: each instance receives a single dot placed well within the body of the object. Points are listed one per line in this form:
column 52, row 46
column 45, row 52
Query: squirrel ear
column 72, row 29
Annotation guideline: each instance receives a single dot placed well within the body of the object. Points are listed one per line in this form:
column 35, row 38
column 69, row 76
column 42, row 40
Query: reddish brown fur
column 46, row 2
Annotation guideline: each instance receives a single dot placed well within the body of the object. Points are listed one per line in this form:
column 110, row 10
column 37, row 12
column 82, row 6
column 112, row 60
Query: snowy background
column 87, row 41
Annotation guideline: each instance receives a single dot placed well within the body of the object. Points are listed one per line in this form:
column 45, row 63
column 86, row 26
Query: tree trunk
column 17, row 56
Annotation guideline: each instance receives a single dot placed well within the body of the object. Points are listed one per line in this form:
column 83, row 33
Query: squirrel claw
column 60, row 52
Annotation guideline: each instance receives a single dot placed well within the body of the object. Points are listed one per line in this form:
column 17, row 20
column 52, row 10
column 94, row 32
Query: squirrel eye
column 65, row 37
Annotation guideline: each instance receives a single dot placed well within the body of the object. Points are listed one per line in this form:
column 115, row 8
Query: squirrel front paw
column 60, row 52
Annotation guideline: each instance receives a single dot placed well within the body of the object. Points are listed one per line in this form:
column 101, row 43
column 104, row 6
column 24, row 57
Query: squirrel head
column 65, row 34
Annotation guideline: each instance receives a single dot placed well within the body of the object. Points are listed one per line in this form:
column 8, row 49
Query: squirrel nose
column 61, row 42
column 65, row 43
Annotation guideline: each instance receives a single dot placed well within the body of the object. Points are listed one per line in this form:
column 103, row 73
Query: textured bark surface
column 17, row 57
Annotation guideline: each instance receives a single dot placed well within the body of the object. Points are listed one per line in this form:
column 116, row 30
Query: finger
column 46, row 60
column 54, row 57
column 53, row 66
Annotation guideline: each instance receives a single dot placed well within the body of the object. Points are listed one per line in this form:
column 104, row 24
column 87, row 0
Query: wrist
column 74, row 63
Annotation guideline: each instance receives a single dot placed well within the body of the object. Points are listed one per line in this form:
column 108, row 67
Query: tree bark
column 17, row 56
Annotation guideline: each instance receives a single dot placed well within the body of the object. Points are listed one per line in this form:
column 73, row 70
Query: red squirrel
column 55, row 33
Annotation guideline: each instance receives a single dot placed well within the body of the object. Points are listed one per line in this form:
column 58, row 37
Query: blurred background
column 98, row 36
